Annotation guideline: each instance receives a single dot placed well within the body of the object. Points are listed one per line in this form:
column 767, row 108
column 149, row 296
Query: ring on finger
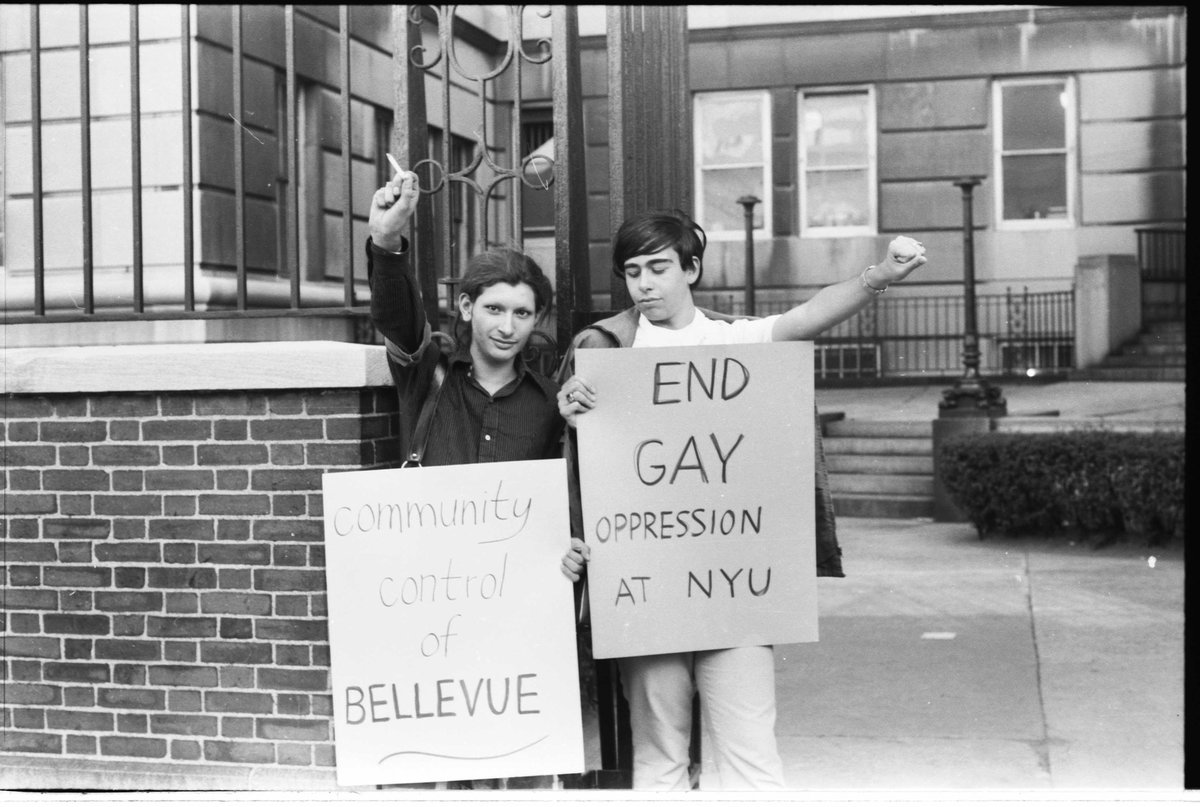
column 570, row 397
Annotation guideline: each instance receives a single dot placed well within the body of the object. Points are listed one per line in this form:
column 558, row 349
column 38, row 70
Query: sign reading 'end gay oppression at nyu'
column 451, row 625
column 696, row 468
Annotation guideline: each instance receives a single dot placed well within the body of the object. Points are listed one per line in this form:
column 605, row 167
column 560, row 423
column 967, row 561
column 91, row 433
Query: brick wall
column 164, row 595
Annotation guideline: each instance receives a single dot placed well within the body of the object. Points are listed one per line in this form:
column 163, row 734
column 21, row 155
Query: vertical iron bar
column 185, row 115
column 292, row 241
column 239, row 161
column 347, row 158
column 85, row 158
column 748, row 202
column 35, row 95
column 135, row 130
column 445, row 209
column 514, row 134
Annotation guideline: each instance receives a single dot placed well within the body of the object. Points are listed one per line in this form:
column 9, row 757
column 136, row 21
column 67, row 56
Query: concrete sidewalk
column 950, row 663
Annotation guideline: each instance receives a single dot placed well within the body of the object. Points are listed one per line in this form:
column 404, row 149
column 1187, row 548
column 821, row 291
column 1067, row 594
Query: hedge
column 1108, row 485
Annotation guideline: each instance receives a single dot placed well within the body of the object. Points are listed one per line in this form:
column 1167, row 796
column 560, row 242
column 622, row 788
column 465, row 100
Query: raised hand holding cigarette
column 391, row 208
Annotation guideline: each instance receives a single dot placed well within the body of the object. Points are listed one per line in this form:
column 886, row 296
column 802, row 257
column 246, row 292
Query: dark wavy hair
column 502, row 265
column 656, row 230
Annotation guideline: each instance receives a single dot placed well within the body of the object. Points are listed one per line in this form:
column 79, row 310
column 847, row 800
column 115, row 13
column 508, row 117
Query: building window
column 837, row 162
column 733, row 159
column 1034, row 152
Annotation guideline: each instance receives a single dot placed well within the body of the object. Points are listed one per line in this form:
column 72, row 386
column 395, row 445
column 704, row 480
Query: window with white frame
column 837, row 161
column 733, row 160
column 1034, row 163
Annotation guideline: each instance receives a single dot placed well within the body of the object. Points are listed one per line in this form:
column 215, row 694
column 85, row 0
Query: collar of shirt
column 462, row 355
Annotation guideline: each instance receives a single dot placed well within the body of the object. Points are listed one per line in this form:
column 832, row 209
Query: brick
column 238, row 702
column 214, row 504
column 289, row 555
column 185, row 750
column 179, row 455
column 75, row 504
column 25, row 670
column 292, row 655
column 75, row 480
column 184, row 701
column 132, row 724
column 128, row 481
column 72, row 720
column 31, row 600
column 165, row 431
column 236, row 628
column 291, row 605
column 292, row 630
column 24, row 623
column 225, row 751
column 132, row 698
column 81, row 745
column 33, row 407
column 233, row 454
column 126, row 601
column 133, row 675
column 75, row 600
column 127, row 505
column 231, row 405
column 179, row 627
column 307, row 529
column 73, row 431
column 237, row 677
column 111, row 406
column 286, row 430
column 120, row 746
column 16, row 694
column 29, row 718
column 181, row 529
column 129, row 577
column 233, row 480
column 128, row 649
column 234, row 554
column 180, row 651
column 79, row 697
column 287, row 454
column 75, row 552
column 288, row 580
column 235, row 652
column 323, row 756
column 291, row 703
column 74, row 456
column 77, row 648
column 179, row 506
column 17, row 504
column 78, row 577
column 32, row 647
column 86, row 529
column 230, row 430
column 182, row 602
column 76, row 673
column 19, row 529
column 233, row 529
column 177, row 405
column 129, row 625
column 307, row 479
column 320, row 655
column 279, row 728
column 240, row 603
column 294, row 754
column 145, row 456
column 124, row 431
column 288, row 505
column 183, row 675
column 129, row 529
column 334, row 454
column 237, row 726
column 190, row 725
column 183, row 578
column 23, row 480
column 128, row 552
column 29, row 742
column 287, row 403
column 179, row 553
column 88, row 624
column 334, row 402
column 22, row 432
column 24, row 575
column 302, row 680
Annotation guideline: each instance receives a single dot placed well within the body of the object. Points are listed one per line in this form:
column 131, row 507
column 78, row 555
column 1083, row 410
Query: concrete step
column 1129, row 374
column 879, row 463
column 880, row 428
column 1027, row 425
column 878, row 445
column 854, row 505
column 1151, row 346
column 881, row 484
column 1174, row 359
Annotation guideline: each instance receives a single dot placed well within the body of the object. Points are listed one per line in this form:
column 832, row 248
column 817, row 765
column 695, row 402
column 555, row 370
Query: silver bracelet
column 862, row 279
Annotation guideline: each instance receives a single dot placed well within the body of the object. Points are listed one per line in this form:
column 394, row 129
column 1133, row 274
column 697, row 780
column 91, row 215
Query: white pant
column 737, row 709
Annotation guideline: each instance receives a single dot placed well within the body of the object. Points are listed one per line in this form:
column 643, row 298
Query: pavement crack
column 1041, row 746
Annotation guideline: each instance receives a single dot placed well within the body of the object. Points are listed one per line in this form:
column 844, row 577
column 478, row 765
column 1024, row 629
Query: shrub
column 1100, row 483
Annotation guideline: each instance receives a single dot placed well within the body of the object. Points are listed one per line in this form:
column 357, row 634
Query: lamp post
column 748, row 203
column 971, row 395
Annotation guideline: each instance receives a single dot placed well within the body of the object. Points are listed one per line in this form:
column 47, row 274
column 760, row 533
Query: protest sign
column 451, row 625
column 696, row 468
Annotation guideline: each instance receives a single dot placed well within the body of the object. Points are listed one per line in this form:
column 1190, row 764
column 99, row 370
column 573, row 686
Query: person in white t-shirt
column 660, row 256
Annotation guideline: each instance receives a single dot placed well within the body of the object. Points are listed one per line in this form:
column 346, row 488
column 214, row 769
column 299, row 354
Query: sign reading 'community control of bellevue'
column 451, row 625
column 696, row 468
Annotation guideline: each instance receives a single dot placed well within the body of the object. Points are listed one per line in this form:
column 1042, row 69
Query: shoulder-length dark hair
column 502, row 265
column 656, row 230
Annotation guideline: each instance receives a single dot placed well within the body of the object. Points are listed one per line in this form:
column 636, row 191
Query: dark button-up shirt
column 519, row 422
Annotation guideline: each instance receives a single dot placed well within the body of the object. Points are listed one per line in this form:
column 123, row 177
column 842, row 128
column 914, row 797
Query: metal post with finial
column 748, row 203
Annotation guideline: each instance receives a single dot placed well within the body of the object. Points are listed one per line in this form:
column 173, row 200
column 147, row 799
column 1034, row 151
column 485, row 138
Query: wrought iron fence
column 1020, row 333
column 1162, row 259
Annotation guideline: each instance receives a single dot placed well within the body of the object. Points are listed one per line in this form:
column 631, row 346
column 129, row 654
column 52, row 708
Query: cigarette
column 395, row 165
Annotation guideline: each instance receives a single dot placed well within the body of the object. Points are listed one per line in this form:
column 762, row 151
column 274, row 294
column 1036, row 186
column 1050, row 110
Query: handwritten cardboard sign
column 451, row 625
column 696, row 468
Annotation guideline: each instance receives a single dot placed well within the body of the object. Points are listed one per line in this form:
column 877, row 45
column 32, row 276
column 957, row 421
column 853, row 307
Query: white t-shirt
column 704, row 331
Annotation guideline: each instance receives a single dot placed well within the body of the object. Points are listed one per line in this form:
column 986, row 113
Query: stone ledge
column 194, row 367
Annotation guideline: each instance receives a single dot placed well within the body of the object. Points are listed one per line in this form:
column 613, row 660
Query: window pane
column 1034, row 117
column 835, row 130
column 722, row 189
column 730, row 130
column 1035, row 187
column 837, row 199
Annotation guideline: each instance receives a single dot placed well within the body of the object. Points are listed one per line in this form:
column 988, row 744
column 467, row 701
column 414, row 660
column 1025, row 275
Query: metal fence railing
column 1020, row 333
column 1162, row 259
